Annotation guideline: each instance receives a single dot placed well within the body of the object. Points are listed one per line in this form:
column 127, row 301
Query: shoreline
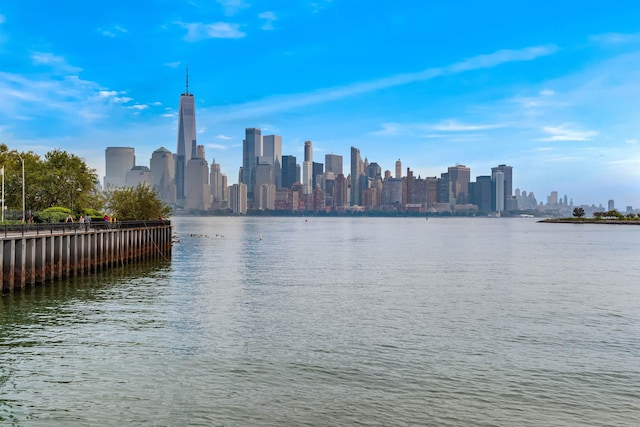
column 591, row 221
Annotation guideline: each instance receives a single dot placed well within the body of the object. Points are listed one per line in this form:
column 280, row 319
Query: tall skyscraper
column 186, row 137
column 288, row 171
column 460, row 176
column 356, row 193
column 333, row 163
column 251, row 150
column 272, row 149
column 163, row 169
column 498, row 182
column 118, row 161
column 398, row 169
column 307, row 168
column 507, row 184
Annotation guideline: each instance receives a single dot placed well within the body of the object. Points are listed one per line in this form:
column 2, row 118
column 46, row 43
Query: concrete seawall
column 37, row 254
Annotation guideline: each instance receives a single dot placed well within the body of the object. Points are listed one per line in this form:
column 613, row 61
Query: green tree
column 60, row 179
column 578, row 212
column 131, row 203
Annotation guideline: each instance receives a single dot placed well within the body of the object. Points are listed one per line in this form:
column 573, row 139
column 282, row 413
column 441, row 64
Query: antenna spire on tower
column 187, row 90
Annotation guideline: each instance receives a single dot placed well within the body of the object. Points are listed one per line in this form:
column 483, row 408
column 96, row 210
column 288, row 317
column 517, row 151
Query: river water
column 338, row 321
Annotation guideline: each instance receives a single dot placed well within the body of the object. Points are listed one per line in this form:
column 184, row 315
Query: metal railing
column 76, row 227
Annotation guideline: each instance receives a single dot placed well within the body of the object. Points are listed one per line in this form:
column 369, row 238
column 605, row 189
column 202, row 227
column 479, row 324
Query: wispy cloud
column 217, row 146
column 547, row 92
column 54, row 61
column 615, row 38
column 566, row 133
column 112, row 32
column 456, row 126
column 269, row 18
column 174, row 64
column 223, row 137
column 231, row 7
column 286, row 102
column 197, row 31
column 426, row 130
column 114, row 96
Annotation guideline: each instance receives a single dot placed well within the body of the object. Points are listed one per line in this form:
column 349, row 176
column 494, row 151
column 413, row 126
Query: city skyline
column 556, row 105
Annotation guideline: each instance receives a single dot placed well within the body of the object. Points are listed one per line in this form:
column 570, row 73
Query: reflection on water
column 281, row 321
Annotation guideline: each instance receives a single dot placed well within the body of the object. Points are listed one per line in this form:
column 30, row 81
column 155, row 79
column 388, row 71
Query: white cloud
column 138, row 107
column 564, row 133
column 280, row 103
column 217, row 146
column 113, row 32
column 269, row 18
column 231, row 7
column 174, row 64
column 455, row 126
column 197, row 31
column 113, row 97
column 55, row 61
column 615, row 38
column 202, row 130
column 547, row 92
column 223, row 137
column 156, row 103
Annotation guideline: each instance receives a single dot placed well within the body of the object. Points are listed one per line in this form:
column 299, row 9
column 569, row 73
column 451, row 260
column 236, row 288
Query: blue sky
column 550, row 88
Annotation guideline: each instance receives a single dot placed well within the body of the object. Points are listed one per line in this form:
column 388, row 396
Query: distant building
column 198, row 196
column 186, row 146
column 333, row 163
column 139, row 175
column 118, row 161
column 610, row 205
column 163, row 169
column 272, row 150
column 238, row 198
column 460, row 176
column 356, row 191
column 288, row 171
column 251, row 150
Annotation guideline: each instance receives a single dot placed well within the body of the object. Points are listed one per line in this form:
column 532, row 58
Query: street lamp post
column 23, row 198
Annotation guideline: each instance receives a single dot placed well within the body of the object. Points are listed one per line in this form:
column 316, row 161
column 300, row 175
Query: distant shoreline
column 591, row 221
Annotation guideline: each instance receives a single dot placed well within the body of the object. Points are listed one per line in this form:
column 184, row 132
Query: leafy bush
column 54, row 216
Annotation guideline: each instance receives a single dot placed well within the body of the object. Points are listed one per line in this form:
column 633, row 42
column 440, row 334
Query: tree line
column 61, row 183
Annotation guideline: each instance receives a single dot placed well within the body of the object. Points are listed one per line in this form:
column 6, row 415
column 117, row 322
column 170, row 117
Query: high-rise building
column 398, row 169
column 333, row 163
column 317, row 169
column 272, row 150
column 163, row 169
column 307, row 168
column 611, row 205
column 498, row 189
column 460, row 176
column 251, row 150
column 288, row 171
column 482, row 193
column 198, row 195
column 238, row 198
column 507, row 172
column 374, row 170
column 118, row 161
column 356, row 193
column 139, row 175
column 186, row 137
column 217, row 185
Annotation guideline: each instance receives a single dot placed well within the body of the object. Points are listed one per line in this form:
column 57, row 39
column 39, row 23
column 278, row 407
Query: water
column 336, row 321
